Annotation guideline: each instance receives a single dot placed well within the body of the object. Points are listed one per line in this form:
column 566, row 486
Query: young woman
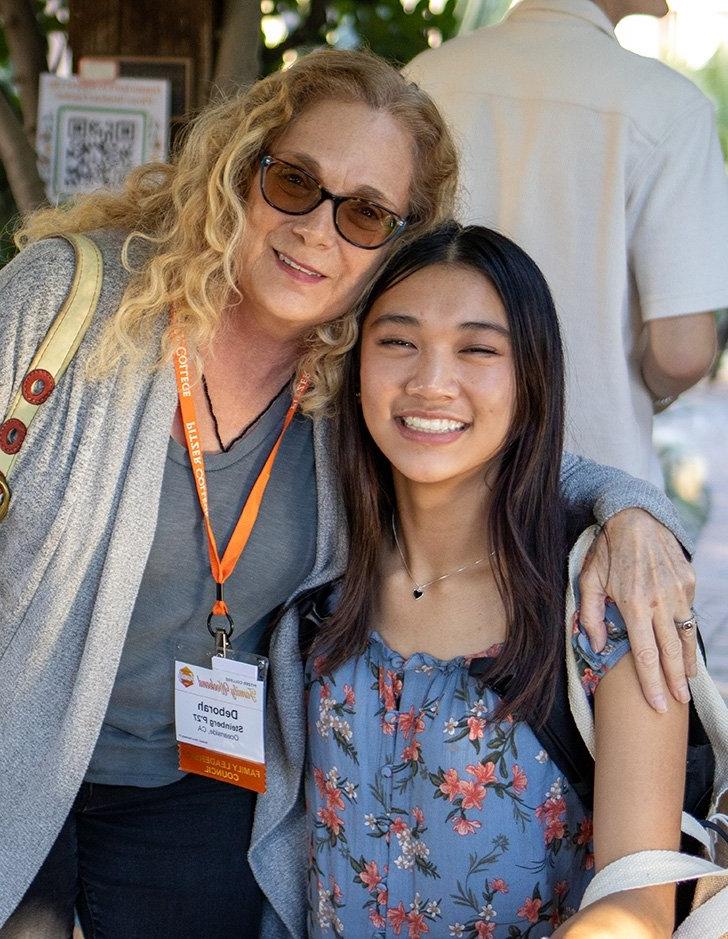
column 432, row 808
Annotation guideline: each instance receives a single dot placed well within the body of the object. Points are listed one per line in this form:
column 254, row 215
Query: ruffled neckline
column 423, row 660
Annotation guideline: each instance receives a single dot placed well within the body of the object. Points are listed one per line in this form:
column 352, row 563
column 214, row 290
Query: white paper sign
column 90, row 134
column 219, row 710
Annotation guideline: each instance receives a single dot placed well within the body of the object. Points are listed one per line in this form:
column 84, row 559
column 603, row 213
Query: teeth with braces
column 297, row 267
column 436, row 425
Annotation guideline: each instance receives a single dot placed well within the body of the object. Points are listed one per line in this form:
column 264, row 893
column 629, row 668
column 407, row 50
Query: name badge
column 220, row 719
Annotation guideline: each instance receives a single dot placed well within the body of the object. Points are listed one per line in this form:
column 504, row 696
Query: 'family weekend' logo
column 186, row 676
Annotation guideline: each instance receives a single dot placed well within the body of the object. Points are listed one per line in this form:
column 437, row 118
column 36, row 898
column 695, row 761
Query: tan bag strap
column 52, row 358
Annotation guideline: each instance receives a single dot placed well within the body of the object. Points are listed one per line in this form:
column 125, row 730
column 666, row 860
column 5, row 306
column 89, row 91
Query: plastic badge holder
column 220, row 714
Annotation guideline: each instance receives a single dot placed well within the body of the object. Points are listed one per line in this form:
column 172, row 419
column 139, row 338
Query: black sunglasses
column 292, row 190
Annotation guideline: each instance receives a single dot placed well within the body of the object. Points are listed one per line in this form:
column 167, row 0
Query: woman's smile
column 301, row 274
column 429, row 428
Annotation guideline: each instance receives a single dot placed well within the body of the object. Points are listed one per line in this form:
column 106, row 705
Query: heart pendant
column 417, row 593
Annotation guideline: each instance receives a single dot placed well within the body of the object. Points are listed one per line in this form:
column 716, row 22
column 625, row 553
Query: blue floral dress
column 425, row 818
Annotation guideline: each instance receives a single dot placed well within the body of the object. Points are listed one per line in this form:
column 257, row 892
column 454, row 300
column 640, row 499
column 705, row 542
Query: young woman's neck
column 442, row 525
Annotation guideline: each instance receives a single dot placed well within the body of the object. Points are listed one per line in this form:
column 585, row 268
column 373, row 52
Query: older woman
column 247, row 251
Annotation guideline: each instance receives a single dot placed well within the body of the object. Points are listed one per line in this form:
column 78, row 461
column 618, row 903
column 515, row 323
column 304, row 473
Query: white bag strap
column 710, row 919
column 650, row 868
column 53, row 356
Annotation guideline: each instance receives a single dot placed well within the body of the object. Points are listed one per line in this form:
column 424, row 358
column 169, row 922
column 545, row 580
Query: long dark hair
column 526, row 523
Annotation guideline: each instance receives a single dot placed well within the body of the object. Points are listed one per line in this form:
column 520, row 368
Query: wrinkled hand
column 640, row 565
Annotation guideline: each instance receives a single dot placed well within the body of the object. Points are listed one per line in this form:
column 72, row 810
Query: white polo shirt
column 605, row 166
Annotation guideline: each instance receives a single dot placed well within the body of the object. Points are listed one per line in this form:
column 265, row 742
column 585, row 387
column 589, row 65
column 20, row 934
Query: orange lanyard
column 222, row 568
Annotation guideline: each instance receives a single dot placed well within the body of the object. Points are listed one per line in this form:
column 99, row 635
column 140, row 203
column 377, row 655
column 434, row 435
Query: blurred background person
column 606, row 167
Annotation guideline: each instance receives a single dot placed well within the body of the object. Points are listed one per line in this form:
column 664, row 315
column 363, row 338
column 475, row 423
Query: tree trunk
column 19, row 160
column 27, row 49
column 238, row 56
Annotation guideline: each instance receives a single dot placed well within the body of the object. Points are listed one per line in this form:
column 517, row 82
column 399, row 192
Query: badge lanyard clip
column 221, row 643
column 220, row 634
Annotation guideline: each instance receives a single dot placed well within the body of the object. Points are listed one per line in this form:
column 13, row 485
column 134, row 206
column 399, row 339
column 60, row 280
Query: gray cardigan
column 72, row 552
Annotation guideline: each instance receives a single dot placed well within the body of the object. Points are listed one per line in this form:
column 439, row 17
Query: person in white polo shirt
column 605, row 166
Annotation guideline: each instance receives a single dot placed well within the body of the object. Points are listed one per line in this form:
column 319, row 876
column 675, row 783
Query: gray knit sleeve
column 603, row 491
column 32, row 288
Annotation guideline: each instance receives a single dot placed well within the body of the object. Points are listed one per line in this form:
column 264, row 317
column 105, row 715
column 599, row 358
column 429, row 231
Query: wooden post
column 184, row 28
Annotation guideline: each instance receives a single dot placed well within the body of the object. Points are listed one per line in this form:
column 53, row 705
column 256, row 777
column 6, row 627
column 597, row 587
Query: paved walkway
column 698, row 422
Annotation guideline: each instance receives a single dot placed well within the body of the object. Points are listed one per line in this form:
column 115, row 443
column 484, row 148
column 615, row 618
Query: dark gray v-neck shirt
column 137, row 744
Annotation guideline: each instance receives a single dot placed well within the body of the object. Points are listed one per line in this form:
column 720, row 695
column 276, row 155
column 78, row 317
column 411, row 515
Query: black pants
column 162, row 863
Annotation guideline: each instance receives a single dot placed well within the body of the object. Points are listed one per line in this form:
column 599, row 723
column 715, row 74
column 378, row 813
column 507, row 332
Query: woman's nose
column 432, row 378
column 317, row 226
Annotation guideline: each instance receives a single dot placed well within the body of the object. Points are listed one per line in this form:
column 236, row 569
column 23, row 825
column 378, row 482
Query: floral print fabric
column 425, row 818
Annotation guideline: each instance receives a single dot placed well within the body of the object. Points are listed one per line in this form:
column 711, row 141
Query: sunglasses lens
column 290, row 189
column 364, row 223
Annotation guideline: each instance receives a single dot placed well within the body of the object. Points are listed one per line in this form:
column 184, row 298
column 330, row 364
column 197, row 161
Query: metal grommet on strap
column 12, row 435
column 4, row 496
column 38, row 386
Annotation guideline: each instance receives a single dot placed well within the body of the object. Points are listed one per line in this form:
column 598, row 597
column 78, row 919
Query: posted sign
column 90, row 134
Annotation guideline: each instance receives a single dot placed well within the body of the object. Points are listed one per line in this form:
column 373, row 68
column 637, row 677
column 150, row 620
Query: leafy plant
column 50, row 17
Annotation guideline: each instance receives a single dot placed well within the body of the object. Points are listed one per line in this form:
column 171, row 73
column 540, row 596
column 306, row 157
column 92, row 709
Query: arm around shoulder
column 604, row 491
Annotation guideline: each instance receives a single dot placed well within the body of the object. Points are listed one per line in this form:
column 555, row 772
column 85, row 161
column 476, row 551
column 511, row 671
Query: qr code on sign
column 99, row 150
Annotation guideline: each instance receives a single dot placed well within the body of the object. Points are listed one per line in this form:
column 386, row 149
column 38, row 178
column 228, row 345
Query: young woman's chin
column 421, row 471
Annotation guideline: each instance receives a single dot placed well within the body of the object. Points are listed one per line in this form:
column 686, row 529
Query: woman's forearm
column 604, row 491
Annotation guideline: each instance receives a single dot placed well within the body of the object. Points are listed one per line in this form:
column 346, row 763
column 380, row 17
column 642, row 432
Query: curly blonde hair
column 192, row 211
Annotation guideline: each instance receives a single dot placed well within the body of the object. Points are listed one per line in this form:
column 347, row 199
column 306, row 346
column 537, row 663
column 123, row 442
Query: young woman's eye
column 480, row 350
column 397, row 343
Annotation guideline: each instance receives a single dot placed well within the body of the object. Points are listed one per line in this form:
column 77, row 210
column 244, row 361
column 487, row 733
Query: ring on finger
column 688, row 624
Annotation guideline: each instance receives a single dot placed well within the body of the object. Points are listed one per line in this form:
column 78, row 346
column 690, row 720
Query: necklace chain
column 419, row 589
column 243, row 432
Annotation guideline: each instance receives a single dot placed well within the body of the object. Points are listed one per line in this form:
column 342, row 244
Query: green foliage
column 387, row 29
column 473, row 14
column 49, row 22
column 684, row 485
column 712, row 79
column 8, row 213
column 396, row 30
column 8, row 209
column 56, row 22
